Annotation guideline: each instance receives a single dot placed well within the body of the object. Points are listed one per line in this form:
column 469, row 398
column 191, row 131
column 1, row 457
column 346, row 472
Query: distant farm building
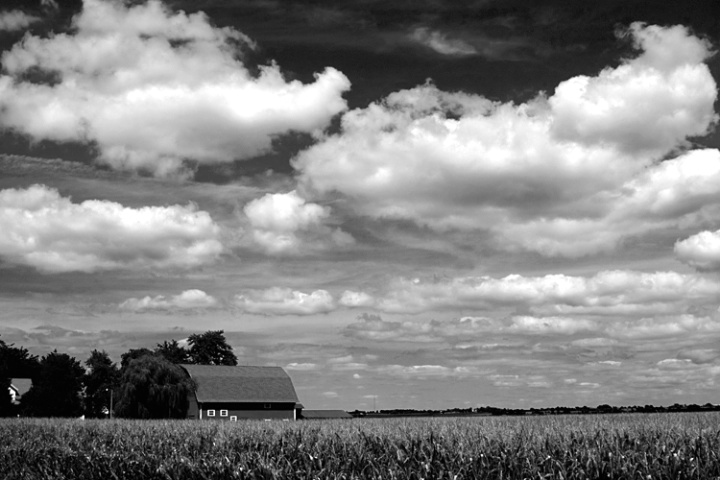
column 325, row 414
column 18, row 388
column 237, row 393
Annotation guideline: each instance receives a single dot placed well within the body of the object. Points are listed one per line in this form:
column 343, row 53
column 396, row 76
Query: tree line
column 147, row 383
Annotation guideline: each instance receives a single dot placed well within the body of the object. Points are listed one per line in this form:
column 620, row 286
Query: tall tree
column 15, row 362
column 101, row 378
column 173, row 352
column 132, row 354
column 152, row 387
column 56, row 389
column 211, row 348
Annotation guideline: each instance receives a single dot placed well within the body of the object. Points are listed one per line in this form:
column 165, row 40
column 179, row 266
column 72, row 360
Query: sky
column 410, row 204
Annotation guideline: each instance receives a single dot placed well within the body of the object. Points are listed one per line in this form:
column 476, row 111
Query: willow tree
column 153, row 387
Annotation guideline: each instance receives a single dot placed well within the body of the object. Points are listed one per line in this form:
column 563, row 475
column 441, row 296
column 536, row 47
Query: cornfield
column 632, row 446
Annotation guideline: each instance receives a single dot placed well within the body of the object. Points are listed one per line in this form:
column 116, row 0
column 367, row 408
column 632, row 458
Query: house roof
column 21, row 385
column 325, row 414
column 220, row 383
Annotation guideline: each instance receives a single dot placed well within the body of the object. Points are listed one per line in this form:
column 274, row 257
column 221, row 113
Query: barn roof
column 21, row 385
column 325, row 414
column 220, row 383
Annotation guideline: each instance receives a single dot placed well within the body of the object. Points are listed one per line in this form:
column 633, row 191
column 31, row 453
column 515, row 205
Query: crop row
column 661, row 446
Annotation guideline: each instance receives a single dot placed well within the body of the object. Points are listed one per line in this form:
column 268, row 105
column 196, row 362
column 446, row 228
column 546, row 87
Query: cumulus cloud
column 49, row 232
column 600, row 294
column 563, row 174
column 701, row 250
column 468, row 345
column 14, row 20
column 374, row 328
column 551, row 325
column 467, row 44
column 301, row 366
column 356, row 299
column 153, row 89
column 189, row 299
column 665, row 326
column 284, row 301
column 678, row 193
column 699, row 355
column 650, row 103
column 459, row 331
column 417, row 371
column 440, row 43
column 287, row 223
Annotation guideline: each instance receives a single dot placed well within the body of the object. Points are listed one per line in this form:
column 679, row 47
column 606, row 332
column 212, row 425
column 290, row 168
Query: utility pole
column 111, row 401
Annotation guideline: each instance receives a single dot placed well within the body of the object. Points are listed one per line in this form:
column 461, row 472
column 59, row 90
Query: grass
column 633, row 446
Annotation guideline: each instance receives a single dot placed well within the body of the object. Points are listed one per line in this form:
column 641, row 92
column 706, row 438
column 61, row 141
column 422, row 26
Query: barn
column 18, row 388
column 242, row 392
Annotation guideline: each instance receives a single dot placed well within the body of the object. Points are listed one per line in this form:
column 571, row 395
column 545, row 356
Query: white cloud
column 550, row 325
column 13, row 20
column 467, row 336
column 677, row 193
column 589, row 385
column 566, row 174
column 603, row 292
column 440, row 43
column 284, row 301
column 652, row 102
column 49, row 232
column 356, row 299
column 301, row 366
column 674, row 363
column 374, row 328
column 287, row 223
column 595, row 342
column 417, row 371
column 514, row 380
column 460, row 331
column 665, row 327
column 701, row 250
column 153, row 88
column 189, row 299
column 349, row 366
column 699, row 355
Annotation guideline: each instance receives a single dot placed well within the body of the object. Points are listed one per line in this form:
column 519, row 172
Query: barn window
column 267, row 405
column 211, row 413
column 223, row 413
column 233, row 418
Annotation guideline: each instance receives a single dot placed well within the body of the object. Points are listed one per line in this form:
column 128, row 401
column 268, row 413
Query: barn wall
column 193, row 409
column 250, row 411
